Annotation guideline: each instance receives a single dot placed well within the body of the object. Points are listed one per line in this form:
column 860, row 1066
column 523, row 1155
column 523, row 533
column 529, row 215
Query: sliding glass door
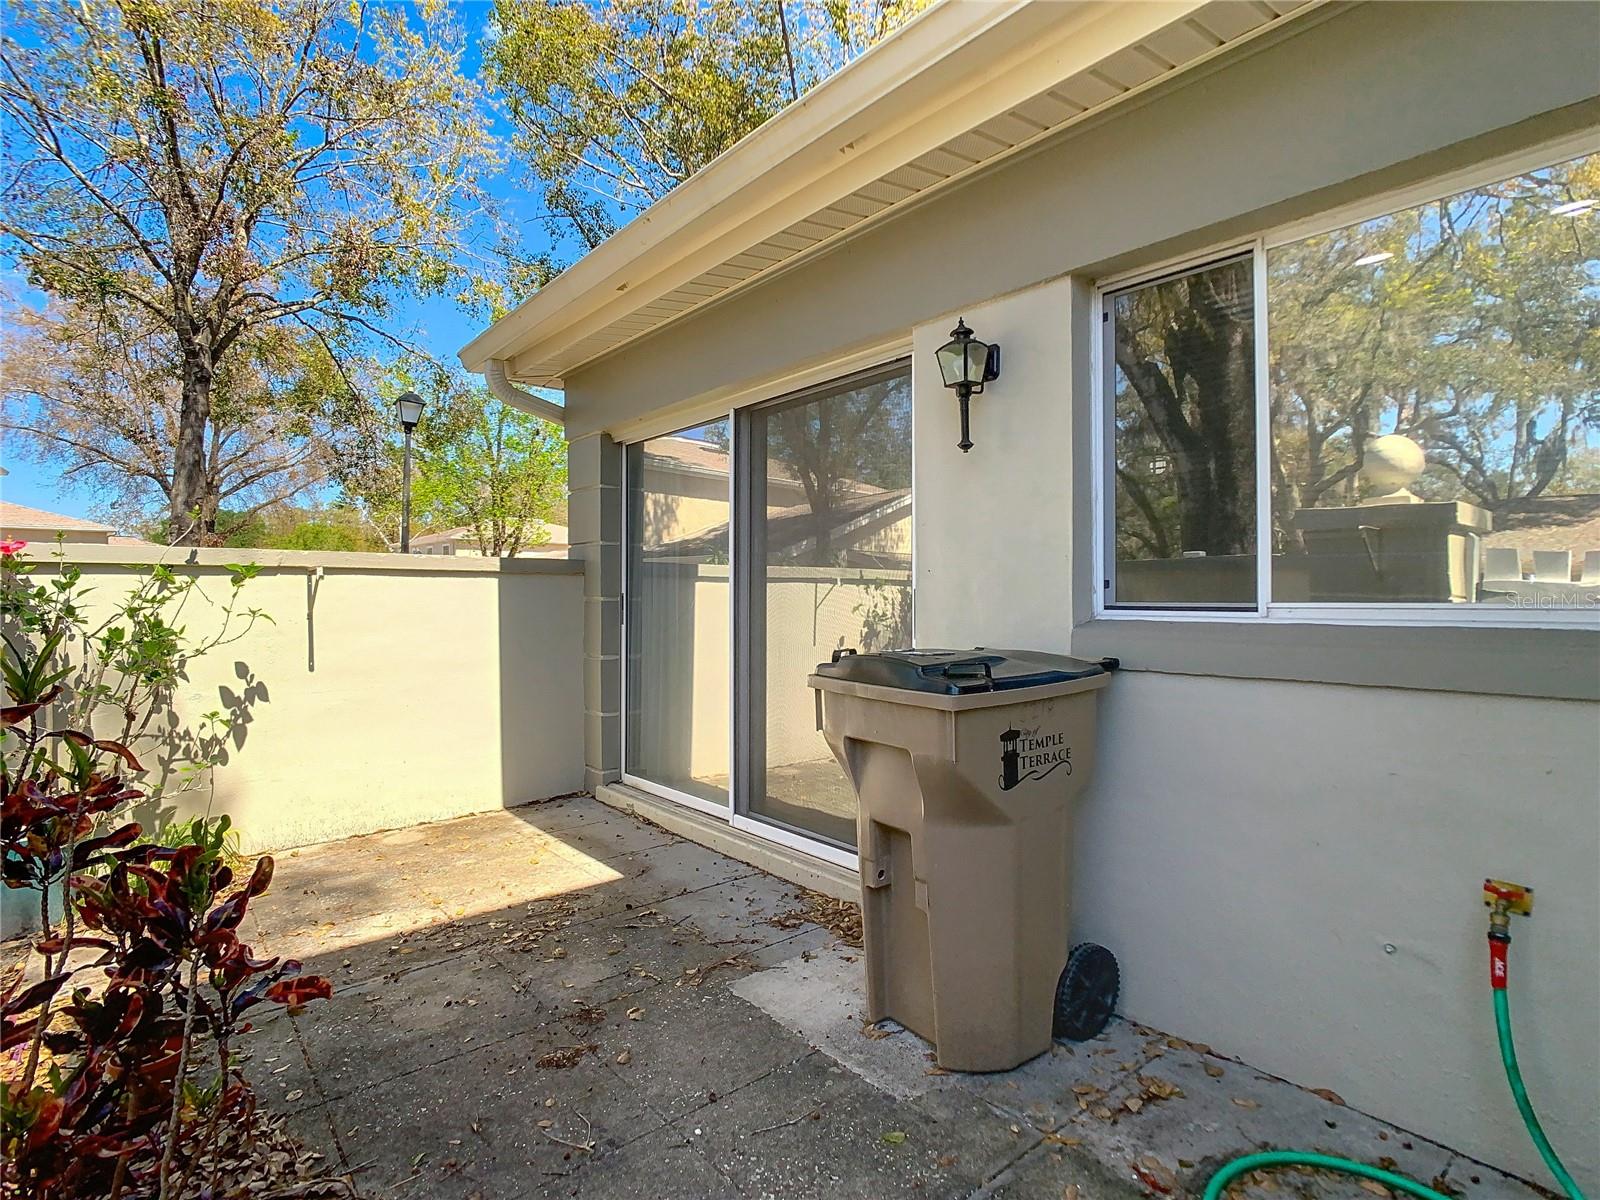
column 678, row 664
column 756, row 547
column 825, row 564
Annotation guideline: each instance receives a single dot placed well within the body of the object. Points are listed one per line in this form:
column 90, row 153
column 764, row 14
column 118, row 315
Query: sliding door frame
column 747, row 628
column 750, row 633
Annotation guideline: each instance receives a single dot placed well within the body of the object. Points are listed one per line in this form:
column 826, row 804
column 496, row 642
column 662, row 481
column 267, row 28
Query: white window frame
column 1102, row 429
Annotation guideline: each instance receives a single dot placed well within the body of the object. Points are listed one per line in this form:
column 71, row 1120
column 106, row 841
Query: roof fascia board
column 829, row 144
column 937, row 34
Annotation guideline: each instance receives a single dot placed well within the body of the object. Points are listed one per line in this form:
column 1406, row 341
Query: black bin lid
column 959, row 672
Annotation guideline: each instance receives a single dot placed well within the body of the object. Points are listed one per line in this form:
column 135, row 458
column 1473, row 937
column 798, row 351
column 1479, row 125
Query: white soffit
column 906, row 118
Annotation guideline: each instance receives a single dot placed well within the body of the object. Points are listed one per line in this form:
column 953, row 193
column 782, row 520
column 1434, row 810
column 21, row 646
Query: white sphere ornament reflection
column 1391, row 463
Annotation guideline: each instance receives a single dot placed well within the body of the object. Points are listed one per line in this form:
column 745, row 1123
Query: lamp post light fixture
column 408, row 408
column 966, row 365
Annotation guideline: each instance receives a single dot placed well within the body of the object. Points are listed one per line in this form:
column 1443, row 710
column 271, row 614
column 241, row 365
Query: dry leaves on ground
column 841, row 918
column 565, row 1057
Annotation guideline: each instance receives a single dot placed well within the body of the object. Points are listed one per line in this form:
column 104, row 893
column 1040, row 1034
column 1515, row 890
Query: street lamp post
column 409, row 409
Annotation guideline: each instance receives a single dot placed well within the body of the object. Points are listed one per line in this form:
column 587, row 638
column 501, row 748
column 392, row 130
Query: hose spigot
column 1503, row 899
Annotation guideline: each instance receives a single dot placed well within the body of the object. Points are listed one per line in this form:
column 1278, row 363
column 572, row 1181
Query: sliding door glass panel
column 829, row 567
column 678, row 668
column 1181, row 354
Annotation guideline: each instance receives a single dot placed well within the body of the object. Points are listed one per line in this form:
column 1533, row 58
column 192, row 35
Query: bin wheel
column 1087, row 992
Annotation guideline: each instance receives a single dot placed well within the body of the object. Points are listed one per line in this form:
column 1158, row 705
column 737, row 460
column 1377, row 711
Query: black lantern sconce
column 967, row 364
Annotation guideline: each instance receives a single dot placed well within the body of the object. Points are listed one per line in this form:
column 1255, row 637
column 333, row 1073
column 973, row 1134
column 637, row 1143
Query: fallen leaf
column 1071, row 1192
column 636, row 1013
column 1214, row 1071
column 1373, row 1186
column 1159, row 1089
column 1243, row 1103
column 294, row 1095
column 1328, row 1094
column 1155, row 1174
column 945, row 1161
column 624, row 1058
column 894, row 1137
column 1133, row 1104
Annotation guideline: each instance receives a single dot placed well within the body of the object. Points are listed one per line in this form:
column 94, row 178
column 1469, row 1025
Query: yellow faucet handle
column 1514, row 896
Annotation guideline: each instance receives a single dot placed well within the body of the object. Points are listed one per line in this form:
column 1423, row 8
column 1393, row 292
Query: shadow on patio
column 562, row 1000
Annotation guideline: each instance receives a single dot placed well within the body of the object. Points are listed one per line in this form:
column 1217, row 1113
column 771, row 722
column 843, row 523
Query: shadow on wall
column 189, row 753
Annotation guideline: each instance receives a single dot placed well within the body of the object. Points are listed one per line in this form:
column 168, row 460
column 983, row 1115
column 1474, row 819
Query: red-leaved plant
column 104, row 1089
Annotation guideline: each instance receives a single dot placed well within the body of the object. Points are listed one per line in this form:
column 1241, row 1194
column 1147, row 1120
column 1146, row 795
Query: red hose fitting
column 1499, row 968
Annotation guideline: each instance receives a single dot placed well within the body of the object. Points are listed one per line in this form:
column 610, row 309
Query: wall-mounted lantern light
column 967, row 364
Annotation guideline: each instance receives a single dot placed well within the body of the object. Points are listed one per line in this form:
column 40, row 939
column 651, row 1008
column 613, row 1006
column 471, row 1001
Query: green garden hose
column 1499, row 943
column 1303, row 1158
column 1508, row 1055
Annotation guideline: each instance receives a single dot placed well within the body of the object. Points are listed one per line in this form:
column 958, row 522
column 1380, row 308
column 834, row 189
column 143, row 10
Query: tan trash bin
column 966, row 763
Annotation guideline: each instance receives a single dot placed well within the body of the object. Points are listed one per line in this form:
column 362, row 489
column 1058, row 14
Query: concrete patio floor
column 563, row 1001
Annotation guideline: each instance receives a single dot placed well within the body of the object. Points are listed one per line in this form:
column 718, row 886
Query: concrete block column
column 594, row 479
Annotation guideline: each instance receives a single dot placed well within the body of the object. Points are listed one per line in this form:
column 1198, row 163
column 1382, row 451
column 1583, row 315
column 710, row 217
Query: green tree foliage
column 477, row 463
column 235, row 173
column 616, row 102
column 1472, row 327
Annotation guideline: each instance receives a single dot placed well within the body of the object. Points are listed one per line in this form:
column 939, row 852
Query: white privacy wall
column 1249, row 848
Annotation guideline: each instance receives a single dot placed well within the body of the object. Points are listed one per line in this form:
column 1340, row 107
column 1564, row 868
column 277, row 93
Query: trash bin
column 965, row 764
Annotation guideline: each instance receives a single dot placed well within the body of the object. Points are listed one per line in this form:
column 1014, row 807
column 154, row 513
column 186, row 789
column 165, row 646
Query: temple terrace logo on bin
column 1031, row 754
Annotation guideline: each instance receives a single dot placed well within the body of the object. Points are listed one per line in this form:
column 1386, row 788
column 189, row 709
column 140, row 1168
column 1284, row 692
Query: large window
column 826, row 565
column 1419, row 425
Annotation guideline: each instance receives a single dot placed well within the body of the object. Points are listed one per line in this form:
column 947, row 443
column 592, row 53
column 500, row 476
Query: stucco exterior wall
column 384, row 691
column 1259, row 833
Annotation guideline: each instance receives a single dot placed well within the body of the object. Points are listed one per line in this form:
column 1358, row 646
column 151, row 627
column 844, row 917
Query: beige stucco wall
column 388, row 691
column 1251, row 845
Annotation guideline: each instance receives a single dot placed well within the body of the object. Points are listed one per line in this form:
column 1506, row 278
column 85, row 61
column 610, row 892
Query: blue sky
column 435, row 323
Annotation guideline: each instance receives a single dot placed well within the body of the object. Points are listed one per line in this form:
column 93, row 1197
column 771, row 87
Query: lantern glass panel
column 951, row 363
column 977, row 356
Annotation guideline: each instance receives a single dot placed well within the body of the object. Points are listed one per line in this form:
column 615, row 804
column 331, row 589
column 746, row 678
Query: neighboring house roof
column 791, row 533
column 20, row 516
column 688, row 452
column 465, row 533
column 952, row 93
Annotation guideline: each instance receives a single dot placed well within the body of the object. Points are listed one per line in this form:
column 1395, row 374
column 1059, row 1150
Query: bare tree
column 231, row 171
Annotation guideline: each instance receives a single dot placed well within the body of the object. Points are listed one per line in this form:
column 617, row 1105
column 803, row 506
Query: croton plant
column 119, row 1036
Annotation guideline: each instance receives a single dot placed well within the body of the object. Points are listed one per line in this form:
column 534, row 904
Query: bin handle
column 840, row 653
column 956, row 672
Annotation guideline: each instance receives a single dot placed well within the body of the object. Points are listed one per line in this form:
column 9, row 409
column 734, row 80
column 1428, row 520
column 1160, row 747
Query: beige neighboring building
column 462, row 541
column 18, row 521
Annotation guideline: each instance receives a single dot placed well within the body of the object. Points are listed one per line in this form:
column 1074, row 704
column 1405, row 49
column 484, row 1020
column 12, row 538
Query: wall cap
column 90, row 554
